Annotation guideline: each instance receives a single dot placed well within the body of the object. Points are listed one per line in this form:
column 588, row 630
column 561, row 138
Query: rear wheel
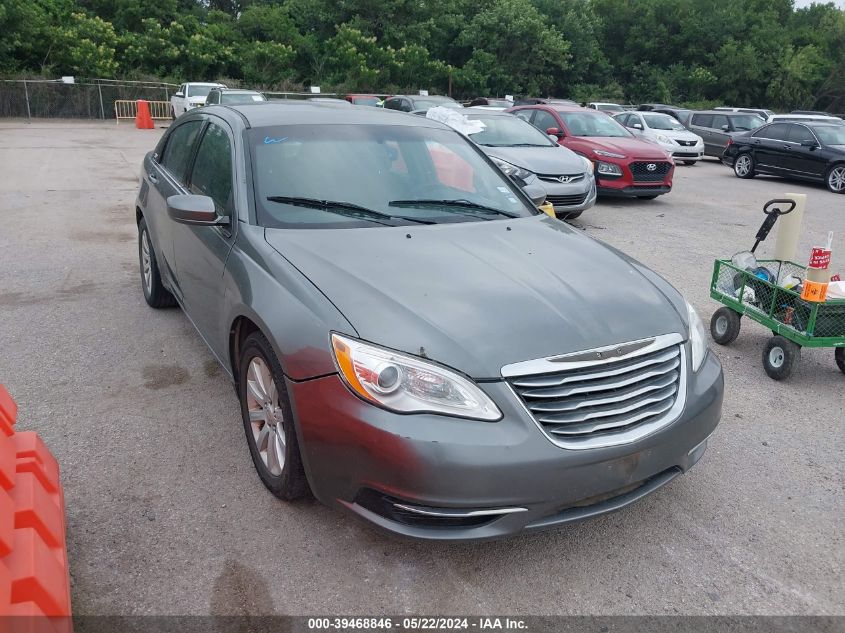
column 839, row 355
column 744, row 166
column 724, row 326
column 836, row 179
column 155, row 294
column 780, row 356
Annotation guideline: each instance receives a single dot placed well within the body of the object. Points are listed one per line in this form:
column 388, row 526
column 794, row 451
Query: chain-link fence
column 83, row 99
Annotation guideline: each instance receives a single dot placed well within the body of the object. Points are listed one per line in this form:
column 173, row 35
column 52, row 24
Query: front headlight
column 588, row 165
column 698, row 338
column 602, row 152
column 510, row 170
column 407, row 384
column 662, row 138
column 609, row 169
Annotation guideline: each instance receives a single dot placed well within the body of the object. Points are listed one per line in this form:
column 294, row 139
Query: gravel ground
column 166, row 516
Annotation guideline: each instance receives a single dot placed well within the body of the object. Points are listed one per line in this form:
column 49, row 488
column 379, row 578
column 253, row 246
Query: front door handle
column 153, row 177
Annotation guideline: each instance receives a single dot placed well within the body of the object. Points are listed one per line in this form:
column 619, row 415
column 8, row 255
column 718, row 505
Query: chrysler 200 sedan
column 435, row 356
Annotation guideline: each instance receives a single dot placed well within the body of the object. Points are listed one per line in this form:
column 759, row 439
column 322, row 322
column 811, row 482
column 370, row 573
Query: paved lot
column 166, row 515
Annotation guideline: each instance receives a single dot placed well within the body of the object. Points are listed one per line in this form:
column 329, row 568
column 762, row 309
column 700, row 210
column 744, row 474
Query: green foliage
column 752, row 53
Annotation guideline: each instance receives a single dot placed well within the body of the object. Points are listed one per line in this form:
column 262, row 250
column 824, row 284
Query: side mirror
column 725, row 128
column 809, row 143
column 637, row 126
column 197, row 210
column 536, row 192
column 554, row 132
column 179, row 94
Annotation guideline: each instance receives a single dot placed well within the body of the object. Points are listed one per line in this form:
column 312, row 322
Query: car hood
column 629, row 146
column 680, row 135
column 540, row 160
column 479, row 295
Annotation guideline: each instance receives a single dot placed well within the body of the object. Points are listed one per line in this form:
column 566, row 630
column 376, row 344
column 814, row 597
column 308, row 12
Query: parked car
column 532, row 158
column 717, row 127
column 666, row 131
column 809, row 151
column 647, row 107
column 764, row 114
column 190, row 95
column 365, row 100
column 232, row 96
column 543, row 101
column 625, row 165
column 607, row 108
column 405, row 348
column 681, row 114
column 417, row 103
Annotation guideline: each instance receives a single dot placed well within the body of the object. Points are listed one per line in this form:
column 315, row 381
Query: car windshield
column 830, row 134
column 508, row 131
column 380, row 175
column 589, row 124
column 199, row 91
column 241, row 97
column 746, row 122
column 609, row 107
column 367, row 101
column 661, row 121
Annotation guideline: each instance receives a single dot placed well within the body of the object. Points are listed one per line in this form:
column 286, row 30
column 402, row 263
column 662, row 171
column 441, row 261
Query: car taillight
column 730, row 142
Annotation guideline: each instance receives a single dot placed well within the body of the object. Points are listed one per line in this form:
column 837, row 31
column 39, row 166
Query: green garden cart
column 758, row 292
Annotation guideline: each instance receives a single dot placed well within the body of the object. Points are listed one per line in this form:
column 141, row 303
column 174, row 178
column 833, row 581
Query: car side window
column 719, row 122
column 212, row 97
column 777, row 131
column 406, row 106
column 212, row 172
column 177, row 151
column 392, row 104
column 800, row 133
column 623, row 119
column 543, row 121
column 704, row 120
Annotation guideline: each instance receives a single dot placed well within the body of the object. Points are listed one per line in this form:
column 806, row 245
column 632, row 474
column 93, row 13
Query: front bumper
column 634, row 191
column 358, row 456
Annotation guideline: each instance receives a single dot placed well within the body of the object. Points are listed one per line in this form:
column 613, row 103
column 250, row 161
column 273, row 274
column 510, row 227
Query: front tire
column 780, row 356
column 155, row 294
column 268, row 420
column 724, row 326
column 744, row 166
column 836, row 179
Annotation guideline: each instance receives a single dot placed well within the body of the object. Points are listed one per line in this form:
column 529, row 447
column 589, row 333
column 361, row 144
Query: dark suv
column 419, row 103
column 717, row 127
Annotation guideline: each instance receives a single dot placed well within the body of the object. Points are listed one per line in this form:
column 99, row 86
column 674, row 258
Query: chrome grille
column 561, row 178
column 606, row 396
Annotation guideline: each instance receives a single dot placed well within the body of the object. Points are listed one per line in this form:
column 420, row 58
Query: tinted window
column 387, row 169
column 704, row 120
column 212, row 173
column 177, row 152
column 199, row 91
column 830, row 134
column 392, row 104
column 543, row 120
column 800, row 133
column 212, row 97
column 776, row 131
column 744, row 122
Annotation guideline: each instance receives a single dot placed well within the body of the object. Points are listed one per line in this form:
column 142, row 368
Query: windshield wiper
column 346, row 209
column 464, row 204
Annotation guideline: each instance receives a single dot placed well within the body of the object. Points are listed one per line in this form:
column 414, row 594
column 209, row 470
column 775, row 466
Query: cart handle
column 770, row 209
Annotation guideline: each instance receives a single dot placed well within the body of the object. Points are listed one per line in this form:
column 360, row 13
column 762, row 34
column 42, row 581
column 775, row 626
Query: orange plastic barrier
column 144, row 120
column 34, row 580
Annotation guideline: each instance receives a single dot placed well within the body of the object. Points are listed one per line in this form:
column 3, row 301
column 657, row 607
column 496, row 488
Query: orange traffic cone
column 143, row 120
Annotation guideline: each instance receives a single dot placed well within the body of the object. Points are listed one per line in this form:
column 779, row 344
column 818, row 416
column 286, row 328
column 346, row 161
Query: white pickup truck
column 190, row 95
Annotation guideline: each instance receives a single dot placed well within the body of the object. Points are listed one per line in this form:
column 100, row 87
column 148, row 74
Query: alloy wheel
column 146, row 263
column 266, row 416
column 743, row 165
column 836, row 179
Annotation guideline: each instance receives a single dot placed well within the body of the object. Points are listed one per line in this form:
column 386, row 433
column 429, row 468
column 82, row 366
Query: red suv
column 625, row 165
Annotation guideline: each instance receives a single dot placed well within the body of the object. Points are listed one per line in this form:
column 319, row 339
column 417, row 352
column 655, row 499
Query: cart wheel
column 839, row 355
column 780, row 356
column 724, row 326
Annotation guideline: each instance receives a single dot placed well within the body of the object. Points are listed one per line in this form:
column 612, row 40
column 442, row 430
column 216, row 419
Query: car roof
column 243, row 90
column 205, row 83
column 486, row 112
column 723, row 112
column 267, row 113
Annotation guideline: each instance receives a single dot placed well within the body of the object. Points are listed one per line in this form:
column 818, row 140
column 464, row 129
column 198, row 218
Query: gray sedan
column 532, row 158
column 409, row 338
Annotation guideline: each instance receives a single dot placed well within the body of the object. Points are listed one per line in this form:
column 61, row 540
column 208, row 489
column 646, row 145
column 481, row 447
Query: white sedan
column 666, row 131
column 189, row 96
